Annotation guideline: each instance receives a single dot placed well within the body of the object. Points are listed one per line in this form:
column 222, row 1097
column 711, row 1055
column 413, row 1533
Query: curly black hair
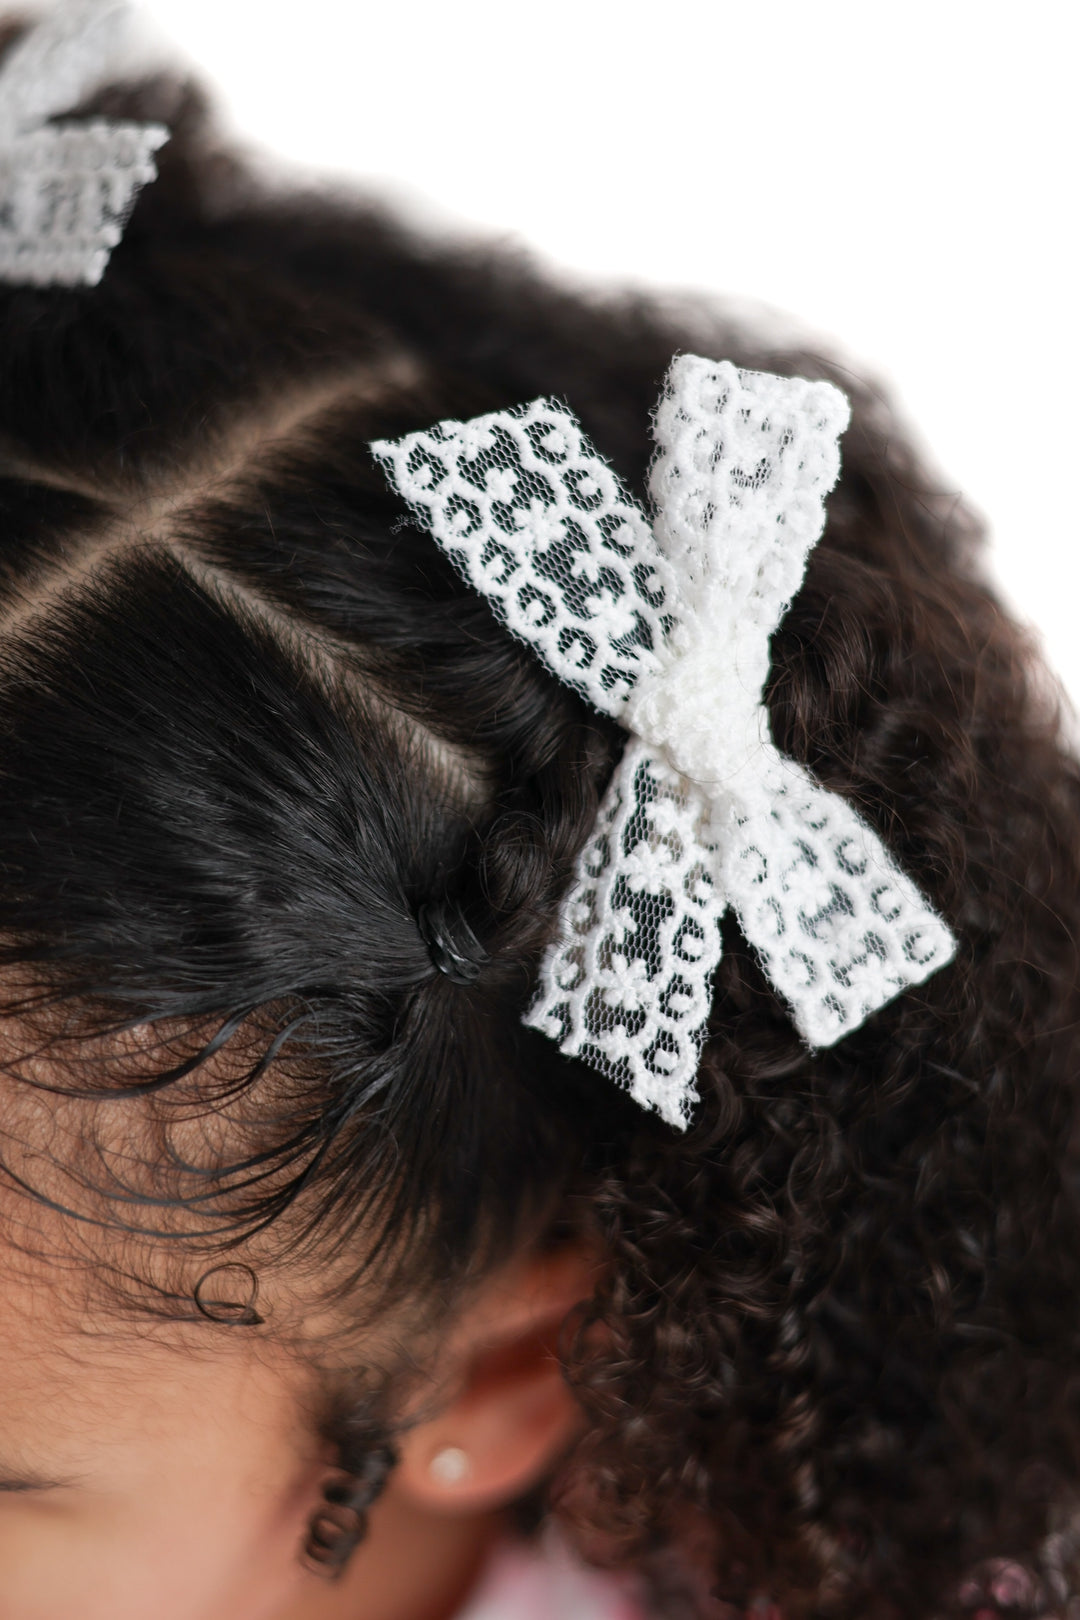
column 252, row 722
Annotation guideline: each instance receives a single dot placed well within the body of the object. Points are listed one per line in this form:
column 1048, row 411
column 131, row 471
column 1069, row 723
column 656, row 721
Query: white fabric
column 66, row 189
column 668, row 632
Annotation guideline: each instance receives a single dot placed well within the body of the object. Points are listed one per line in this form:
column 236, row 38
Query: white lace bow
column 66, row 189
column 665, row 627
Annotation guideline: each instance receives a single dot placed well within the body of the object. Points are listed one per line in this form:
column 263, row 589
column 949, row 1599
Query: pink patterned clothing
column 542, row 1580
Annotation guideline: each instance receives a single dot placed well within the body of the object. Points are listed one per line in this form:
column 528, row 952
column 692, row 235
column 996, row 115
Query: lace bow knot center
column 704, row 716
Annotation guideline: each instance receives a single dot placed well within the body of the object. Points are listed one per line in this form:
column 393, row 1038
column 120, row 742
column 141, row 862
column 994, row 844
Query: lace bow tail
column 840, row 930
column 627, row 983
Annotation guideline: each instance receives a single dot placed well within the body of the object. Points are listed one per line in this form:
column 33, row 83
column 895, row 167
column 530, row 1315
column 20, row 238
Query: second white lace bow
column 66, row 189
column 665, row 627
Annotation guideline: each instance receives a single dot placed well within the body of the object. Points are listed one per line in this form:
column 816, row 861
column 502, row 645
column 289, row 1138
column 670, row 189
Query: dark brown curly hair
column 251, row 722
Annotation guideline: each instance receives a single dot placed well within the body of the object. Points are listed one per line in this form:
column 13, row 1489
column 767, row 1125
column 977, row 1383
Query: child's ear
column 511, row 1413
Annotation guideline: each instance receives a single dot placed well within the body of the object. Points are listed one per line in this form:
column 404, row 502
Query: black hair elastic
column 453, row 947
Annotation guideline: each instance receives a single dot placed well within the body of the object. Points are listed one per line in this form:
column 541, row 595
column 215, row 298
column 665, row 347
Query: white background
column 900, row 176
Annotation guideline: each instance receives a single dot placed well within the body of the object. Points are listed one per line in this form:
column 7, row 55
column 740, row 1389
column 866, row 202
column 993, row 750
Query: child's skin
column 166, row 1470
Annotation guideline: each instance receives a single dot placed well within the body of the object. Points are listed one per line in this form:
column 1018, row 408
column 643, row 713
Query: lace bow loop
column 665, row 626
column 540, row 524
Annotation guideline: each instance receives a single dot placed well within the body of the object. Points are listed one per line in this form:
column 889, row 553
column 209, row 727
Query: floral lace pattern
column 66, row 190
column 628, row 987
column 540, row 525
column 666, row 628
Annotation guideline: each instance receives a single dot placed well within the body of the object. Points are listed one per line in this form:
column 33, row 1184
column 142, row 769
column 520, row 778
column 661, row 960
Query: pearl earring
column 450, row 1466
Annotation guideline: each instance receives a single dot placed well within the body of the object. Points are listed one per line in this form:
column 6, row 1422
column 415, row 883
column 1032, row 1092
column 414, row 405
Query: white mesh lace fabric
column 628, row 984
column 840, row 930
column 666, row 628
column 539, row 524
column 65, row 189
